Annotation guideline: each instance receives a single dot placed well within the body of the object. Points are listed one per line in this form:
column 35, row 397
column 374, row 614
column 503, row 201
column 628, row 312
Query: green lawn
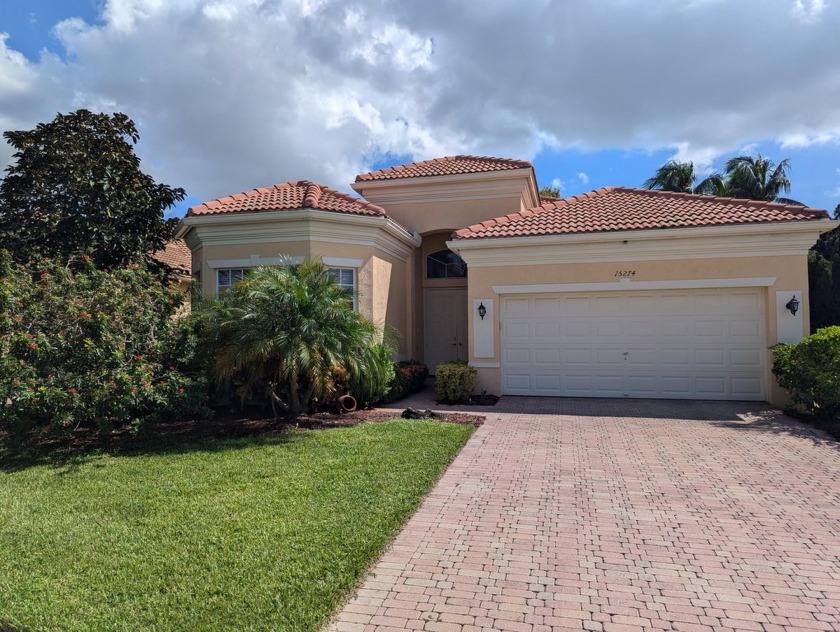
column 248, row 534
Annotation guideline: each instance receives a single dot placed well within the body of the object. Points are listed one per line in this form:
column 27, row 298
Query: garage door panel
column 745, row 358
column 745, row 329
column 642, row 357
column 639, row 327
column 517, row 356
column 674, row 358
column 746, row 387
column 546, row 307
column 710, row 386
column 676, row 386
column 550, row 357
column 550, row 329
column 547, row 383
column 675, row 344
column 710, row 358
column 609, row 357
column 577, row 356
column 576, row 328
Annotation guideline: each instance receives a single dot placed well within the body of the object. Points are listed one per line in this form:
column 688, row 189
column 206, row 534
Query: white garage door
column 705, row 344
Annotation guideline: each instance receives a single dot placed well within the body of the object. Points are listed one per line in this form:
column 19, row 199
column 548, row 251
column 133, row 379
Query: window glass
column 445, row 264
column 225, row 278
column 346, row 278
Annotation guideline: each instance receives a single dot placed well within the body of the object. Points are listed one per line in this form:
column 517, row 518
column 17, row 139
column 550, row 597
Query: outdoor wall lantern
column 482, row 311
column 793, row 305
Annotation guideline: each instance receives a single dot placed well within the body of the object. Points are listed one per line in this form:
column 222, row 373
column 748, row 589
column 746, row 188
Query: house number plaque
column 625, row 273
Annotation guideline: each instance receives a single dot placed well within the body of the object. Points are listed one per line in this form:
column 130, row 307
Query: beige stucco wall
column 791, row 274
column 447, row 203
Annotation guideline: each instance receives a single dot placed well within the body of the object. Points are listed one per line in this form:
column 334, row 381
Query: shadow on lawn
column 6, row 626
column 69, row 452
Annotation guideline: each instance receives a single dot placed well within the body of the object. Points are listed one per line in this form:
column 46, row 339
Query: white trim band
column 624, row 285
column 486, row 365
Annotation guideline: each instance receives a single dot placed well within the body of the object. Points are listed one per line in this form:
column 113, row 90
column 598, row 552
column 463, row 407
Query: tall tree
column 680, row 177
column 824, row 278
column 759, row 178
column 75, row 187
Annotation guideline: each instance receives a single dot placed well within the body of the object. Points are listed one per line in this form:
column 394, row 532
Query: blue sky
column 233, row 94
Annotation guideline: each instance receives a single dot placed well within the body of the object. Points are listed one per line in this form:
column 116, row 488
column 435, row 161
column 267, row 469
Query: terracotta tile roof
column 289, row 195
column 177, row 256
column 450, row 165
column 621, row 208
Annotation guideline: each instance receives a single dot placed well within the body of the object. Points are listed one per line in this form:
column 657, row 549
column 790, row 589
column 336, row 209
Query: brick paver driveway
column 564, row 514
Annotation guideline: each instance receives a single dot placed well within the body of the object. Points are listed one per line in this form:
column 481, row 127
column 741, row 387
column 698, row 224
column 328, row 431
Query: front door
column 446, row 325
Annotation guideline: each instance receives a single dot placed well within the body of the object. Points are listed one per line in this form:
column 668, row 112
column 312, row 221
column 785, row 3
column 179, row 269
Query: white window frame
column 220, row 289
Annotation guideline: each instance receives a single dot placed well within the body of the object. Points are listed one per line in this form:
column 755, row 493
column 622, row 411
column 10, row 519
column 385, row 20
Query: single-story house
column 619, row 292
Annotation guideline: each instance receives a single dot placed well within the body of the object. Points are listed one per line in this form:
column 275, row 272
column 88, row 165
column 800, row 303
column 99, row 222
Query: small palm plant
column 292, row 328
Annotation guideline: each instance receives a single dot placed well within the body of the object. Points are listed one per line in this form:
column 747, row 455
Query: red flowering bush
column 93, row 347
column 409, row 377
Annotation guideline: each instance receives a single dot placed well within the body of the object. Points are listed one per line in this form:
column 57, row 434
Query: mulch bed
column 223, row 425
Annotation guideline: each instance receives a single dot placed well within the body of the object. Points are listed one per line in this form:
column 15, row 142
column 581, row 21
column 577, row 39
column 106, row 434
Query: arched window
column 445, row 264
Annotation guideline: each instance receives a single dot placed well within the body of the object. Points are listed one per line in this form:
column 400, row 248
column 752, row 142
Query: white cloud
column 583, row 177
column 808, row 11
column 799, row 141
column 231, row 94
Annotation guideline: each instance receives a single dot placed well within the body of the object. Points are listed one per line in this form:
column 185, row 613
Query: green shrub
column 409, row 377
column 454, row 382
column 810, row 371
column 92, row 348
column 287, row 335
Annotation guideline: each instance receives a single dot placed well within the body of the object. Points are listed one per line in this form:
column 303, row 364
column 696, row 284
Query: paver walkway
column 570, row 514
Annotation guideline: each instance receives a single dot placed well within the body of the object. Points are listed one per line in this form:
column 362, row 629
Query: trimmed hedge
column 454, row 382
column 810, row 372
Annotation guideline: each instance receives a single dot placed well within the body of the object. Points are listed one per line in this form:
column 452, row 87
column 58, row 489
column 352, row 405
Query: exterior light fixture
column 793, row 305
column 482, row 311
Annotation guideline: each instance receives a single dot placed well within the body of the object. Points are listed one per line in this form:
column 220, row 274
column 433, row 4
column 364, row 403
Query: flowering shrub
column 92, row 347
column 409, row 377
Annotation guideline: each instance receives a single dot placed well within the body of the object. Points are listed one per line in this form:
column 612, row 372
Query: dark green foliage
column 92, row 347
column 75, row 187
column 753, row 178
column 810, row 372
column 758, row 178
column 454, row 382
column 287, row 335
column 824, row 280
column 409, row 377
column 680, row 177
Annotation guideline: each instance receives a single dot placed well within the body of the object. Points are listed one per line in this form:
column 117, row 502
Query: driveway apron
column 581, row 514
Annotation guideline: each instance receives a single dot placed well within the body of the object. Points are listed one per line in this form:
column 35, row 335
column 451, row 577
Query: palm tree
column 759, row 178
column 680, row 177
column 290, row 329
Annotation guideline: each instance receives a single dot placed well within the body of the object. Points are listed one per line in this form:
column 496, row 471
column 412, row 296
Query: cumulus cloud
column 231, row 94
column 583, row 177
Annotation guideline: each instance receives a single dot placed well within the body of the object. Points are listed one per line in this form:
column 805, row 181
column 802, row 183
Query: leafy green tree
column 550, row 192
column 758, row 178
column 75, row 187
column 680, row 177
column 824, row 279
column 289, row 333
